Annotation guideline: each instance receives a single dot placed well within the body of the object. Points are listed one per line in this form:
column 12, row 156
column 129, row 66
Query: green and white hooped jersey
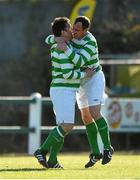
column 84, row 53
column 64, row 74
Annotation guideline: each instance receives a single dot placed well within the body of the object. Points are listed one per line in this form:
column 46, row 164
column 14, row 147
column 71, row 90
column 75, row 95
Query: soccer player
column 65, row 83
column 91, row 94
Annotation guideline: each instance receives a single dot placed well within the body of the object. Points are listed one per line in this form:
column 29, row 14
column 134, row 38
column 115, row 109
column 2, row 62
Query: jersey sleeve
column 69, row 73
column 81, row 58
column 50, row 40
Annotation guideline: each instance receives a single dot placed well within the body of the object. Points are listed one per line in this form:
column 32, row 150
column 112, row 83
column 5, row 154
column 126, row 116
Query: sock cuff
column 91, row 126
column 60, row 131
column 101, row 122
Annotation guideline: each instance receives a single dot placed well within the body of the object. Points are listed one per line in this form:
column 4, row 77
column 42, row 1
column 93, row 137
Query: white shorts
column 64, row 104
column 91, row 91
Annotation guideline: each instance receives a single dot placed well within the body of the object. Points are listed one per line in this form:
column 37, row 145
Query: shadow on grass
column 22, row 169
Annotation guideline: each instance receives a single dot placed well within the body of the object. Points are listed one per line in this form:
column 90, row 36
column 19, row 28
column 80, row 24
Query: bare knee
column 95, row 112
column 86, row 116
column 96, row 116
column 67, row 127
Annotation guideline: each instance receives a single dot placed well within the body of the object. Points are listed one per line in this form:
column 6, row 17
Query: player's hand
column 59, row 39
column 62, row 46
column 90, row 72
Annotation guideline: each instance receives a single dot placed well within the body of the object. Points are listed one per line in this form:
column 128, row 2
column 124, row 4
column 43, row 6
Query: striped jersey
column 84, row 53
column 64, row 74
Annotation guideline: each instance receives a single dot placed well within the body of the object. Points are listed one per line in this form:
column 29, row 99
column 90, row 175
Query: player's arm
column 66, row 67
column 62, row 64
column 50, row 40
column 81, row 58
column 69, row 72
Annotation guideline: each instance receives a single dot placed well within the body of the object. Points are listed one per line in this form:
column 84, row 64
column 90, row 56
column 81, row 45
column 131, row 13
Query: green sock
column 57, row 145
column 104, row 132
column 91, row 130
column 52, row 139
column 54, row 151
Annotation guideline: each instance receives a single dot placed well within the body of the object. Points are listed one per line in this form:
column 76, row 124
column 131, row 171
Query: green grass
column 122, row 166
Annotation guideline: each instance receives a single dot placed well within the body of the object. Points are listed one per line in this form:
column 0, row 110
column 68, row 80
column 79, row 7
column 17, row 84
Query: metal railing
column 34, row 129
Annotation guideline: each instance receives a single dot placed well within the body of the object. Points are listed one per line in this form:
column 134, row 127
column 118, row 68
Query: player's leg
column 91, row 128
column 101, row 124
column 57, row 146
column 55, row 140
column 95, row 99
column 52, row 144
column 104, row 132
column 64, row 107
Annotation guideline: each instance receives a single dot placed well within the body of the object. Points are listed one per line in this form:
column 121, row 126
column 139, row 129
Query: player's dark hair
column 59, row 24
column 84, row 20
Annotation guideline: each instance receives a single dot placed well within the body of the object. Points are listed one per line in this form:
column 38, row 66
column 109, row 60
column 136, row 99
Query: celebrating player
column 65, row 83
column 91, row 94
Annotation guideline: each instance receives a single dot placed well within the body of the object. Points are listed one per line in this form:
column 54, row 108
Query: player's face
column 78, row 31
column 67, row 33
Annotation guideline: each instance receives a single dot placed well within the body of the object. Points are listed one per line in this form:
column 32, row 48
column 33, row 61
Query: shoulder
column 90, row 40
column 89, row 37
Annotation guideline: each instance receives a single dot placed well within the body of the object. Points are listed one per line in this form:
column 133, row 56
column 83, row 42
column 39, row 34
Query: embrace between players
column 76, row 76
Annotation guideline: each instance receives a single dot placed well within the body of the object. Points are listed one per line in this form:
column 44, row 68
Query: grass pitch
column 26, row 167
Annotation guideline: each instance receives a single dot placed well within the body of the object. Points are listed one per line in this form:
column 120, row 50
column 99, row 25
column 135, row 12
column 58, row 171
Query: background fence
column 117, row 121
